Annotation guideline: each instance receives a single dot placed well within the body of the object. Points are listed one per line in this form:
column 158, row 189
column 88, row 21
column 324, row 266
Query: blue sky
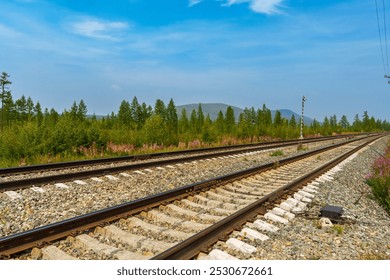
column 239, row 52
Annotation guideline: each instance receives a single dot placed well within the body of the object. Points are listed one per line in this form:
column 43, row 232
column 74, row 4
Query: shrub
column 380, row 187
column 379, row 180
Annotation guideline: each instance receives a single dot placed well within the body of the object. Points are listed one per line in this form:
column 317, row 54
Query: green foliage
column 125, row 117
column 379, row 180
column 31, row 134
column 380, row 188
column 153, row 131
column 230, row 121
column 277, row 153
column 171, row 124
column 339, row 229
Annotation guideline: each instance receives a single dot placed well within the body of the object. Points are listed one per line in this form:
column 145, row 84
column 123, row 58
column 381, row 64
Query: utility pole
column 303, row 105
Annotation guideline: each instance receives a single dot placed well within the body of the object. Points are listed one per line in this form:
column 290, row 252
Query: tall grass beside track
column 379, row 180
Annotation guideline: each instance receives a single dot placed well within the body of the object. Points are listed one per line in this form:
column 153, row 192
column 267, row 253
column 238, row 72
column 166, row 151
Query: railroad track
column 180, row 223
column 25, row 177
column 232, row 148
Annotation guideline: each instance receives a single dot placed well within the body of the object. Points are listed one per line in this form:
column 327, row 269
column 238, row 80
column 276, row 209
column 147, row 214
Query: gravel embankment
column 364, row 235
column 34, row 209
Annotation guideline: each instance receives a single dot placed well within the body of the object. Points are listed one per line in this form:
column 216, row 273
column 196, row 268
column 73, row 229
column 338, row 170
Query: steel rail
column 192, row 246
column 58, row 178
column 72, row 164
column 36, row 237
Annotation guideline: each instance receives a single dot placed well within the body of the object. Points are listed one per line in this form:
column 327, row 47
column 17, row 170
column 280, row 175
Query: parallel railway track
column 13, row 178
column 180, row 223
column 142, row 157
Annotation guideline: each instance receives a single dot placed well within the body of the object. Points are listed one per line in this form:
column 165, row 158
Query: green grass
column 277, row 153
column 339, row 229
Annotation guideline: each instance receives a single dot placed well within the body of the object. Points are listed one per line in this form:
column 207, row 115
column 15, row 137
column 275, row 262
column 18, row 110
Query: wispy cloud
column 266, row 6
column 193, row 2
column 98, row 29
column 116, row 87
column 259, row 6
column 8, row 32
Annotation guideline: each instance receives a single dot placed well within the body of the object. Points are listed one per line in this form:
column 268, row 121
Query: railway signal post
column 303, row 105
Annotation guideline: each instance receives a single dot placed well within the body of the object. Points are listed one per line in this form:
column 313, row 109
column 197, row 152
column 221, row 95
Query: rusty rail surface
column 241, row 148
column 36, row 237
column 192, row 246
column 36, row 181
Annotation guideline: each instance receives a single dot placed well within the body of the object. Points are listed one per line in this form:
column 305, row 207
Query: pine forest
column 33, row 135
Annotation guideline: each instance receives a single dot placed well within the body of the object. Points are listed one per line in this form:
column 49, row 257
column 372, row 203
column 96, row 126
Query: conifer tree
column 82, row 111
column 160, row 109
column 200, row 119
column 357, row 123
column 220, row 123
column 344, row 124
column 230, row 120
column 172, row 122
column 5, row 94
column 277, row 119
column 184, row 123
column 136, row 112
column 124, row 114
column 194, row 123
column 38, row 113
column 30, row 108
column 21, row 108
column 293, row 122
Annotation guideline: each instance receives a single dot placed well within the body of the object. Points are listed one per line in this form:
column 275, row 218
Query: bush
column 380, row 187
column 379, row 181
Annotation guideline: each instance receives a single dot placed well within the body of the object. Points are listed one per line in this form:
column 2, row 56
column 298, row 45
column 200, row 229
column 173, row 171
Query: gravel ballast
column 56, row 202
column 363, row 233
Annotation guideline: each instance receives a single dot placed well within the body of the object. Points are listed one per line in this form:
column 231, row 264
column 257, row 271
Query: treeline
column 32, row 135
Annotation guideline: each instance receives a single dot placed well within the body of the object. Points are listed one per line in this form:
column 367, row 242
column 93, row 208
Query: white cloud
column 8, row 32
column 116, row 87
column 266, row 6
column 193, row 2
column 259, row 6
column 98, row 29
column 232, row 2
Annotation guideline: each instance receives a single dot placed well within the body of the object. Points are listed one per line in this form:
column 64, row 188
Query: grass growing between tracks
column 379, row 180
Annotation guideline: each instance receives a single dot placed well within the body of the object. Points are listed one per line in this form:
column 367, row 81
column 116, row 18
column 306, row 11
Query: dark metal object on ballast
column 332, row 212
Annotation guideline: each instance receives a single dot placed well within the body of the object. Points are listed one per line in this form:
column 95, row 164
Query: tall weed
column 379, row 180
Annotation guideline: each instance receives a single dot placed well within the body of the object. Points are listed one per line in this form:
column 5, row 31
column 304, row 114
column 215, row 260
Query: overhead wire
column 385, row 29
column 380, row 37
column 383, row 41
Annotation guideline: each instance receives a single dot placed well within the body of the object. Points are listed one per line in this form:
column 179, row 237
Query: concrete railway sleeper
column 181, row 223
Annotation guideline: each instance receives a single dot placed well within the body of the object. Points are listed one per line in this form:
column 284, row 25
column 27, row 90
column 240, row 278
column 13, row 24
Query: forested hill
column 287, row 114
column 30, row 134
column 213, row 109
column 209, row 108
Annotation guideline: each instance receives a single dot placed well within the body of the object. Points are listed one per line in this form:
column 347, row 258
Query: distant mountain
column 287, row 114
column 213, row 109
column 209, row 108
